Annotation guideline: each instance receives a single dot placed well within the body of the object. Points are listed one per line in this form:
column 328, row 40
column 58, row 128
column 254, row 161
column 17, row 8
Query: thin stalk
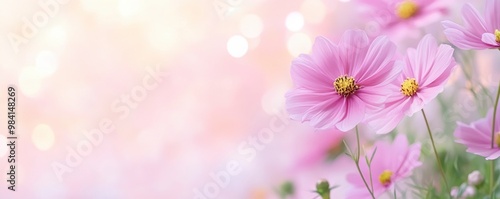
column 435, row 151
column 492, row 165
column 357, row 164
column 371, row 181
column 492, row 179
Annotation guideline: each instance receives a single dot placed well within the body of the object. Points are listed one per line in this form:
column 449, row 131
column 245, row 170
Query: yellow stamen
column 409, row 87
column 385, row 177
column 406, row 9
column 345, row 85
column 497, row 35
column 497, row 139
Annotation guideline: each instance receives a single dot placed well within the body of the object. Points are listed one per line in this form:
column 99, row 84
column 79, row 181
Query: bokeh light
column 56, row 35
column 251, row 26
column 294, row 21
column 314, row 11
column 46, row 63
column 237, row 46
column 299, row 43
column 43, row 137
column 30, row 81
column 163, row 38
column 129, row 8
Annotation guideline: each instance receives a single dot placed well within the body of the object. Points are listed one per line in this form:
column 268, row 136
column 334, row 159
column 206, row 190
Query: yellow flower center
column 497, row 35
column 409, row 87
column 345, row 85
column 497, row 139
column 406, row 9
column 385, row 177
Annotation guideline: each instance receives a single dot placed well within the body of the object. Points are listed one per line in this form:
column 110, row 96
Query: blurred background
column 178, row 99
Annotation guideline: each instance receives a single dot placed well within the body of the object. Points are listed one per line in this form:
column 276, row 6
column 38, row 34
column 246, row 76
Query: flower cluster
column 361, row 80
column 468, row 190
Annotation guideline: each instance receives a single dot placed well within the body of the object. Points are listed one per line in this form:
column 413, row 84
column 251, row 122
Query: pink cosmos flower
column 479, row 32
column 425, row 72
column 391, row 163
column 337, row 85
column 477, row 136
column 407, row 13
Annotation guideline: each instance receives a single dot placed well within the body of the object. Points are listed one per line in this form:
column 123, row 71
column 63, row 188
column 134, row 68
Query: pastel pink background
column 224, row 82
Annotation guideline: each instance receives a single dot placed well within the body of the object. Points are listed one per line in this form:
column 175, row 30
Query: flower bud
column 323, row 189
column 454, row 192
column 475, row 178
column 286, row 189
column 469, row 192
column 463, row 192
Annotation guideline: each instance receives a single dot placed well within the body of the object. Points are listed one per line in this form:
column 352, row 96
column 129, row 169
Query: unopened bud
column 469, row 192
column 475, row 178
column 463, row 192
column 323, row 189
column 287, row 189
column 454, row 192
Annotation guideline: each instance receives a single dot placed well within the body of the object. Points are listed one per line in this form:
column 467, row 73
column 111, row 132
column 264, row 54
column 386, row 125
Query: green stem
column 325, row 196
column 492, row 165
column 435, row 151
column 357, row 164
column 494, row 118
column 371, row 180
column 492, row 179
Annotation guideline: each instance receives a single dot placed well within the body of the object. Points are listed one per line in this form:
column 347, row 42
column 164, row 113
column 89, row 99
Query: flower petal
column 493, row 14
column 378, row 65
column 410, row 160
column 473, row 20
column 355, row 112
column 387, row 119
column 380, row 52
column 429, row 93
column 494, row 155
column 490, row 39
column 360, row 193
column 480, row 129
column 426, row 50
column 353, row 46
column 325, row 115
column 463, row 38
column 300, row 100
column 307, row 74
column 326, row 55
column 443, row 65
column 411, row 56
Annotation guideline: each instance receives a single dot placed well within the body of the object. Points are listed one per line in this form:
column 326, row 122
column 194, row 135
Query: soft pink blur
column 223, row 84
